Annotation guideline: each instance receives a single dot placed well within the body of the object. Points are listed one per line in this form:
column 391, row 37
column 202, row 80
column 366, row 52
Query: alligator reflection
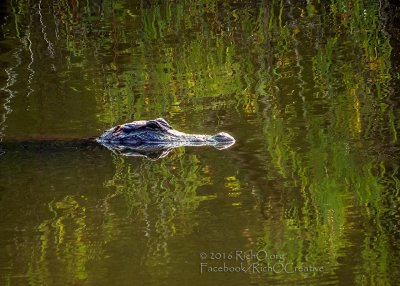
column 152, row 151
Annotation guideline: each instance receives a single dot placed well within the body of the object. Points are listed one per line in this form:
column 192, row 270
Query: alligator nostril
column 223, row 137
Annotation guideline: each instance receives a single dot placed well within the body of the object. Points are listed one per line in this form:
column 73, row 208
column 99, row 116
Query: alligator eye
column 152, row 125
column 117, row 130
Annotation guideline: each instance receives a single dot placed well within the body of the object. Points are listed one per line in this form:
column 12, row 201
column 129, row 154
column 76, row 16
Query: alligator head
column 156, row 138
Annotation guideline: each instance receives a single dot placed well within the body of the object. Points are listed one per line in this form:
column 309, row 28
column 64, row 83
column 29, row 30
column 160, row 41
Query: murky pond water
column 308, row 195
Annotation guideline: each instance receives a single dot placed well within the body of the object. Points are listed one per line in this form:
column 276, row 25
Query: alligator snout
column 223, row 137
column 221, row 140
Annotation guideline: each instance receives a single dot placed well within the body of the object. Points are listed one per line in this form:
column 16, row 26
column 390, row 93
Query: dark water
column 309, row 194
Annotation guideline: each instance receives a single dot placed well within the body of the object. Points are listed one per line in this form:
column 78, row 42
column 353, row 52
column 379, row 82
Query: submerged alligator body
column 156, row 138
column 152, row 139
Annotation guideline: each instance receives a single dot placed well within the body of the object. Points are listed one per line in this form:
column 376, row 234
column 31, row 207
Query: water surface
column 309, row 194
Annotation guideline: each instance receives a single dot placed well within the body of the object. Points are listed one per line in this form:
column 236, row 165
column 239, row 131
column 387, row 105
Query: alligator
column 152, row 139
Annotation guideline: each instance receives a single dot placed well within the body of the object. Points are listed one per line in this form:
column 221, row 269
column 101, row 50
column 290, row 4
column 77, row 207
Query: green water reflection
column 308, row 89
